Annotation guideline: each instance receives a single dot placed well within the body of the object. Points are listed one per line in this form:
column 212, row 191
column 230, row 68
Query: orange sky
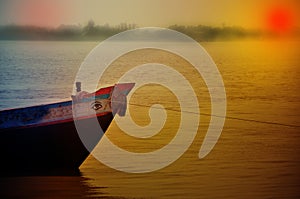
column 247, row 13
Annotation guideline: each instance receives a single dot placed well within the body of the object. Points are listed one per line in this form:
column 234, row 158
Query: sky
column 161, row 13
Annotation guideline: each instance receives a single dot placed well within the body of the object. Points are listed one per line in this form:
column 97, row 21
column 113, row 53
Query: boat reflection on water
column 47, row 187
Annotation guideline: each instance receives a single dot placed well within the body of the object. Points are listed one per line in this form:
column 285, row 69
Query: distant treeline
column 210, row 33
column 99, row 32
column 63, row 32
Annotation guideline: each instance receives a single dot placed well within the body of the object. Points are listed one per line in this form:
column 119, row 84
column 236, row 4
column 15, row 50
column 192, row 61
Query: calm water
column 250, row 160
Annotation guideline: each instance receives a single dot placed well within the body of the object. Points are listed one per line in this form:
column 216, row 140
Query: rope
column 226, row 117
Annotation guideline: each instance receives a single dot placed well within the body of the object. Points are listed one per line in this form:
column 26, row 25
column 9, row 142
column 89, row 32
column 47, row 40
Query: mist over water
column 250, row 160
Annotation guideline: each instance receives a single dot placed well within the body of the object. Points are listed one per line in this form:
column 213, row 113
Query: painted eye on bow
column 96, row 105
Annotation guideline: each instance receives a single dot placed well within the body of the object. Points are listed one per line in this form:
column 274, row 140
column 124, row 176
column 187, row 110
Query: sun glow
column 280, row 20
column 40, row 13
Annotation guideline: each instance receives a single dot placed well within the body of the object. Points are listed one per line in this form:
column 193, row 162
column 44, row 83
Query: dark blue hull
column 45, row 149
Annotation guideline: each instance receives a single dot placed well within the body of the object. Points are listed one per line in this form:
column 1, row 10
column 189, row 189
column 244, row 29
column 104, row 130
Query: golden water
column 250, row 160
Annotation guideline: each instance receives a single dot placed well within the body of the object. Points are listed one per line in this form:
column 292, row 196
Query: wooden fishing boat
column 44, row 137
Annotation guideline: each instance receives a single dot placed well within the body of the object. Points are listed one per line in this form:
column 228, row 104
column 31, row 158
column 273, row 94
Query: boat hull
column 55, row 147
column 43, row 139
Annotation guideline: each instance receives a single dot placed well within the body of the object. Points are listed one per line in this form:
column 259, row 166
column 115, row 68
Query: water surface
column 250, row 160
